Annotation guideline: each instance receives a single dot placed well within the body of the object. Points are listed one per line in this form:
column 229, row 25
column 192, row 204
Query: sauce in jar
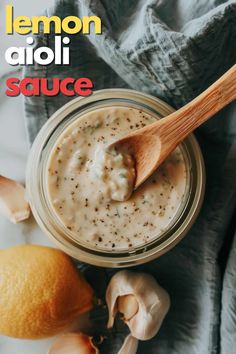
column 90, row 186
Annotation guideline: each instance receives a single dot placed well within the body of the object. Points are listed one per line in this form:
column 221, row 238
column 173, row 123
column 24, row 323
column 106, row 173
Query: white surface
column 13, row 158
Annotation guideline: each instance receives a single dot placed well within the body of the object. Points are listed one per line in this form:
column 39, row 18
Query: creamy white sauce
column 86, row 182
column 115, row 169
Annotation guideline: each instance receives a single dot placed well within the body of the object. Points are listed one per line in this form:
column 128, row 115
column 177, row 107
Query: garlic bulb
column 140, row 299
column 12, row 200
column 73, row 343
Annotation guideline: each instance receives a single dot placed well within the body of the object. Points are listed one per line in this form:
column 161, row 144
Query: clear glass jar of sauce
column 94, row 244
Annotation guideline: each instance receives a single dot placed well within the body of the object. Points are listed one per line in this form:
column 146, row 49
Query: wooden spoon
column 152, row 144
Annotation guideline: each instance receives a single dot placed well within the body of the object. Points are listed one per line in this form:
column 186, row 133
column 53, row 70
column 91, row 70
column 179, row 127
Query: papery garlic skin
column 130, row 345
column 12, row 200
column 73, row 343
column 153, row 302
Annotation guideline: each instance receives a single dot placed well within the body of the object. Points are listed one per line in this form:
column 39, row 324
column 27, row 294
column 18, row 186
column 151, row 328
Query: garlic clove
column 73, row 343
column 127, row 305
column 12, row 200
column 153, row 302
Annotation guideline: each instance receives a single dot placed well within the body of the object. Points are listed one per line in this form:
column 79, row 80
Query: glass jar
column 42, row 209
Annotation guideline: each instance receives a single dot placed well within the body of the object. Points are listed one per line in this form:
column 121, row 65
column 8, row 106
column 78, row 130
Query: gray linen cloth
column 172, row 49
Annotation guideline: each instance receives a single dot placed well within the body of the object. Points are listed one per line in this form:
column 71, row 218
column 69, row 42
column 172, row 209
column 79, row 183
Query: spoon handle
column 182, row 122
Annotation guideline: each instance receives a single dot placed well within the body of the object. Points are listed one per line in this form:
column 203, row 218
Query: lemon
column 41, row 292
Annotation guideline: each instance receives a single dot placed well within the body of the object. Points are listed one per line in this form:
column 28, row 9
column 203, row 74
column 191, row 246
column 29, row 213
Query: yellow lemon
column 41, row 292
